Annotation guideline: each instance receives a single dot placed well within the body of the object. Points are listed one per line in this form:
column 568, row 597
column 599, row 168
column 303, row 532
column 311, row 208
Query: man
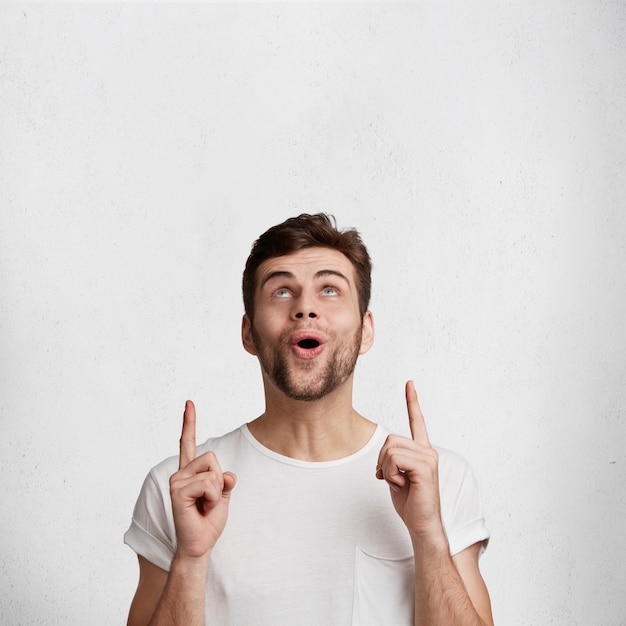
column 298, row 530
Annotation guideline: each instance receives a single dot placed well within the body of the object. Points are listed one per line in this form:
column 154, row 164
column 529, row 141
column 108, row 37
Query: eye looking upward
column 282, row 293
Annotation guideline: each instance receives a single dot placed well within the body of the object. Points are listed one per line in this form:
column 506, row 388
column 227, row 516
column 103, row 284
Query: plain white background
column 480, row 148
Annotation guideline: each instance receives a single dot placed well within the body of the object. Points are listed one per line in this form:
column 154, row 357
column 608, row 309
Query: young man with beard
column 298, row 530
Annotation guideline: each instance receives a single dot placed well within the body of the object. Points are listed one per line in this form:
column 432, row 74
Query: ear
column 367, row 338
column 246, row 335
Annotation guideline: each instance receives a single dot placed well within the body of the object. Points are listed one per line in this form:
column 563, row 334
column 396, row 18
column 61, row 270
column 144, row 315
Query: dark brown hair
column 308, row 231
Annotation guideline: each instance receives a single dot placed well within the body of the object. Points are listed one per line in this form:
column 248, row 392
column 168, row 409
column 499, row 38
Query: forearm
column 440, row 595
column 182, row 600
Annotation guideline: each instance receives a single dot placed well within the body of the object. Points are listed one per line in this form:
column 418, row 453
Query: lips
column 307, row 344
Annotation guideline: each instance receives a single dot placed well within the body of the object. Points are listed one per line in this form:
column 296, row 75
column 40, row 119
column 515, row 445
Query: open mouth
column 308, row 343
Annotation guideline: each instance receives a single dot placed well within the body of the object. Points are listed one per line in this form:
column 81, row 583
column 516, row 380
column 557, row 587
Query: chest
column 294, row 539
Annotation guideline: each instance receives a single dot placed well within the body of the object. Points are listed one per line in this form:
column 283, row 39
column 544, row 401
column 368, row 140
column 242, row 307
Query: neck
column 320, row 430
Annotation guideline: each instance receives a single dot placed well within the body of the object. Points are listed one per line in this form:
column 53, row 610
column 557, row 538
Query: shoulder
column 227, row 441
column 452, row 463
column 455, row 474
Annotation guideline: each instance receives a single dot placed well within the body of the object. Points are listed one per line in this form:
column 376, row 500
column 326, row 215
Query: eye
column 282, row 293
column 330, row 291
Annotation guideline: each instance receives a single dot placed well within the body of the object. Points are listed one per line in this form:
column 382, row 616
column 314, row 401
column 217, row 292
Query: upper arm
column 152, row 581
column 467, row 565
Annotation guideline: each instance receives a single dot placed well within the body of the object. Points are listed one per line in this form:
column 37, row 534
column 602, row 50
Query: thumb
column 230, row 480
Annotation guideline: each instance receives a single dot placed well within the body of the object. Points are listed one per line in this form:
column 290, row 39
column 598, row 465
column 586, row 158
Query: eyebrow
column 290, row 275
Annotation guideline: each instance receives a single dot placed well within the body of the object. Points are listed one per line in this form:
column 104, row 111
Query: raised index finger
column 188, row 437
column 416, row 418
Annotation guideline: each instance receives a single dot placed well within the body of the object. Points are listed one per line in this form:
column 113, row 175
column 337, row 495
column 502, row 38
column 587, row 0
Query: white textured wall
column 481, row 150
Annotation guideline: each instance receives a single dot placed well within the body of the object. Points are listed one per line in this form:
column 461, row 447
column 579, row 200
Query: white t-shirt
column 307, row 542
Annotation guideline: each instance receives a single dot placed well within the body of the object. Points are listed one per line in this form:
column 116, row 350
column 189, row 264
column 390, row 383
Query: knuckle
column 209, row 457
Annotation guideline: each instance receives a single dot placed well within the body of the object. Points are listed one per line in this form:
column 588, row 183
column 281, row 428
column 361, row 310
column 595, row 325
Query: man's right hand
column 200, row 495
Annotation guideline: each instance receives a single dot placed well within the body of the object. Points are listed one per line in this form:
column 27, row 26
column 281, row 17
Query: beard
column 303, row 382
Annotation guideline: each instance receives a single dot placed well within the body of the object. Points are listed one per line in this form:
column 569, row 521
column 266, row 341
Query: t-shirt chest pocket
column 383, row 590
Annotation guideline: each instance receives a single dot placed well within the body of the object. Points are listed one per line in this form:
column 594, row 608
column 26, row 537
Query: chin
column 309, row 391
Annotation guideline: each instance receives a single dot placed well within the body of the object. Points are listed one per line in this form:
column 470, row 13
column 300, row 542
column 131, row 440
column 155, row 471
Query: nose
column 305, row 306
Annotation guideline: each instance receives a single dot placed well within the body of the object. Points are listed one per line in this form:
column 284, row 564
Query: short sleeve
column 461, row 505
column 151, row 533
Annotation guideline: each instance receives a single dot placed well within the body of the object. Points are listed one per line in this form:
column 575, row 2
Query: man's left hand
column 410, row 467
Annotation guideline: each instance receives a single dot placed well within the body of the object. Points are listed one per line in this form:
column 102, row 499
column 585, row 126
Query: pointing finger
column 416, row 418
column 188, row 437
